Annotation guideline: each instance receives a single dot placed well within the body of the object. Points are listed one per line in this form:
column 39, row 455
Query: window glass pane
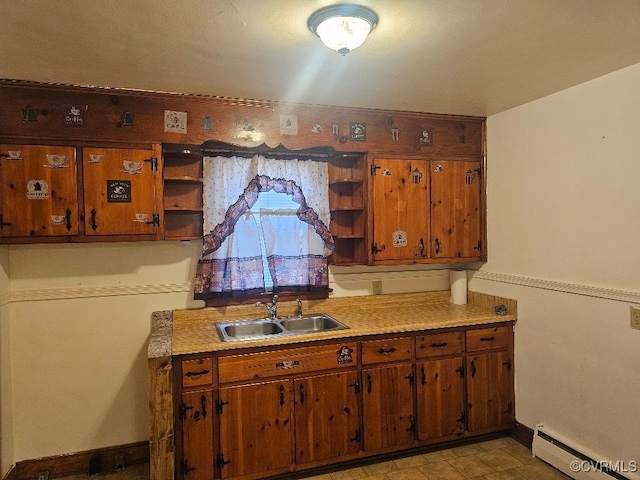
column 270, row 201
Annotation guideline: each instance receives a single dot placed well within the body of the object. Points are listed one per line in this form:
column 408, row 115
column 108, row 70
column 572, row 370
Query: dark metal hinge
column 478, row 246
column 221, row 461
column 185, row 469
column 219, row 405
column 154, row 163
column 374, row 168
column 460, row 371
column 509, row 409
column 2, row 222
column 358, row 436
column 508, row 365
column 183, row 410
column 155, row 220
column 375, row 249
column 356, row 386
column 412, row 426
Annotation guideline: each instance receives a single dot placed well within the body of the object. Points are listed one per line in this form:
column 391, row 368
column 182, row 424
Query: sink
column 311, row 323
column 248, row 329
column 261, row 328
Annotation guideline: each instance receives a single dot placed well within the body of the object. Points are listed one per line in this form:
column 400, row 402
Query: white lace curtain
column 296, row 243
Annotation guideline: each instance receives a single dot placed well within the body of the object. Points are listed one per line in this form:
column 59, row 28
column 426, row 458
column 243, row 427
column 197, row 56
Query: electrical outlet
column 42, row 475
column 377, row 287
column 635, row 318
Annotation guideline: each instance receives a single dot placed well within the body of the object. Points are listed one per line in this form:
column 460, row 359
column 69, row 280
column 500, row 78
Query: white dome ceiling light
column 343, row 27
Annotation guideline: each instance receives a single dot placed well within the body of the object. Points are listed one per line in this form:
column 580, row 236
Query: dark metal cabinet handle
column 368, row 383
column 93, row 223
column 439, row 345
column 422, row 249
column 438, row 245
column 473, row 368
column 281, row 395
column 488, row 339
column 196, row 374
column 301, row 394
column 386, row 350
column 68, row 218
column 423, row 376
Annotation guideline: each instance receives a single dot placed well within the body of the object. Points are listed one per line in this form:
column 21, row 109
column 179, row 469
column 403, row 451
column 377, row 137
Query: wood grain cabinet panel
column 256, row 431
column 489, row 391
column 400, row 216
column 120, row 191
column 386, row 350
column 455, row 212
column 38, row 191
column 287, row 361
column 197, row 414
column 327, row 423
column 440, row 399
column 387, row 407
column 487, row 338
column 438, row 344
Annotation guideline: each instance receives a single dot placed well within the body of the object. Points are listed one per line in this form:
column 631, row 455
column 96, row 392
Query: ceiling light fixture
column 343, row 27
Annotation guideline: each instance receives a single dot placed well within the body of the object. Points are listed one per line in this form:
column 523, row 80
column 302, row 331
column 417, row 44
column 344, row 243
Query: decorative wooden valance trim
column 224, row 149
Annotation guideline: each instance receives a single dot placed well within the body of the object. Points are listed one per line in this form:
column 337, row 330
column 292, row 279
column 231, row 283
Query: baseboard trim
column 522, row 434
column 78, row 463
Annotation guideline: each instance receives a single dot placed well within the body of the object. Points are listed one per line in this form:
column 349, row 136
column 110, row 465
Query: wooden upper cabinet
column 399, row 205
column 120, row 195
column 38, row 193
column 456, row 215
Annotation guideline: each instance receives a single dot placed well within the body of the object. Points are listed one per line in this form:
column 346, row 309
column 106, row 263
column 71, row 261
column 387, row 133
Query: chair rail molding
column 627, row 296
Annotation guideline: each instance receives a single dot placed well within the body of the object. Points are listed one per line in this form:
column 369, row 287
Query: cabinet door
column 440, row 398
column 196, row 412
column 400, row 218
column 119, row 191
column 38, row 191
column 456, row 217
column 255, row 429
column 489, row 391
column 387, row 407
column 327, row 419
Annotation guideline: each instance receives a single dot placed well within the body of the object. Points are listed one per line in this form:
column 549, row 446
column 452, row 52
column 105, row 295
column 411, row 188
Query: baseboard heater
column 556, row 451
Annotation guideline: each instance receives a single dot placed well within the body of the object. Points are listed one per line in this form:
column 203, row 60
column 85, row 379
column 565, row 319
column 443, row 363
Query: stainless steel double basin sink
column 263, row 328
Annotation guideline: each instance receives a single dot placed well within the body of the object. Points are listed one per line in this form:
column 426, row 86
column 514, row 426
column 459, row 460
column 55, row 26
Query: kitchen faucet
column 273, row 308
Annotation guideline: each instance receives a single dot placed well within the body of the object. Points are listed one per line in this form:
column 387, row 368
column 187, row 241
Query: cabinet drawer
column 275, row 363
column 486, row 338
column 436, row 344
column 387, row 350
column 197, row 372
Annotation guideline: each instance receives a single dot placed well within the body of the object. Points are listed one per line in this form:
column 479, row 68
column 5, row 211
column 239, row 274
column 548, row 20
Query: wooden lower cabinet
column 387, row 407
column 327, row 423
column 489, row 391
column 440, row 399
column 255, row 429
column 265, row 413
column 197, row 415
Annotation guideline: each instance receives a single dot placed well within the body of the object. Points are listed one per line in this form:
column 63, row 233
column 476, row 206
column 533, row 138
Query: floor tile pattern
column 499, row 459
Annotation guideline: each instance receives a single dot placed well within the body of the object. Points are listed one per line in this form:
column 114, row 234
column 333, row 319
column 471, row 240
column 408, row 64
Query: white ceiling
column 475, row 57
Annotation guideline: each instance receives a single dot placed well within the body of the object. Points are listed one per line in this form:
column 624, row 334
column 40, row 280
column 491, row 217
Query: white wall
column 6, row 411
column 563, row 237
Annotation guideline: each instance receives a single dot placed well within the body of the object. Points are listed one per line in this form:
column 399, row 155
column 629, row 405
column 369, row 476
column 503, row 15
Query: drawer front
column 197, row 372
column 487, row 338
column 273, row 363
column 437, row 344
column 387, row 350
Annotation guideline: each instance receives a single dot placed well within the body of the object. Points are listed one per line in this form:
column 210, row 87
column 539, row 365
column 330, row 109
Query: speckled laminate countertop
column 181, row 332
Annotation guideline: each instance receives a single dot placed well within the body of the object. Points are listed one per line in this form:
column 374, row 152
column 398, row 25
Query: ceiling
column 474, row 57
